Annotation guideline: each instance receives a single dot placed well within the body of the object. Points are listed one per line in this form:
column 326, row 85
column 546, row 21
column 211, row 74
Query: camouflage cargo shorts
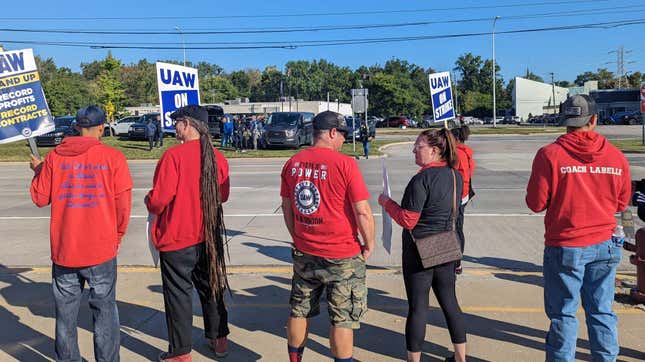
column 344, row 280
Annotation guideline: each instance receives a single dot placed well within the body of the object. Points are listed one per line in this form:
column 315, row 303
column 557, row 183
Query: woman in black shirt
column 426, row 209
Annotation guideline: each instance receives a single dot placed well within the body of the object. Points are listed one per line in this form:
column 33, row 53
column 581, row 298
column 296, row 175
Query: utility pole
column 620, row 64
column 553, row 87
column 183, row 42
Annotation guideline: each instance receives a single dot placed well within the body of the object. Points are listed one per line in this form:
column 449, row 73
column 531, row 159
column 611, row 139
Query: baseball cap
column 193, row 111
column 90, row 116
column 329, row 120
column 577, row 110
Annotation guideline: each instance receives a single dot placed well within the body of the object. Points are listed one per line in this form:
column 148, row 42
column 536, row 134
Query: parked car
column 371, row 126
column 395, row 121
column 215, row 113
column 626, row 117
column 122, row 126
column 510, row 120
column 137, row 131
column 471, row 120
column 63, row 127
column 290, row 129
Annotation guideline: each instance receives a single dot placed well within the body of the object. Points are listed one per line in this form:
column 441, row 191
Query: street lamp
column 183, row 42
column 494, row 76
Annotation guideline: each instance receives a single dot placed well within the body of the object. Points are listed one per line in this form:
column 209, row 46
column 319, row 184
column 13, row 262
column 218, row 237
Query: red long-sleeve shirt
column 175, row 196
column 88, row 185
column 581, row 181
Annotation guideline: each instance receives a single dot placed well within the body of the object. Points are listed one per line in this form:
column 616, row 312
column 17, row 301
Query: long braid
column 213, row 214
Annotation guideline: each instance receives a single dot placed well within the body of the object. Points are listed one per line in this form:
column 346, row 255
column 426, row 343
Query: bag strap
column 454, row 199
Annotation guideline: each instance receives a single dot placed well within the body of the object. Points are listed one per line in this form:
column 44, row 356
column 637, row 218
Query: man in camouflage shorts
column 324, row 201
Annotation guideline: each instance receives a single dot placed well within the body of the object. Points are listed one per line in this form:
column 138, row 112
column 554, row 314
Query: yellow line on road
column 288, row 269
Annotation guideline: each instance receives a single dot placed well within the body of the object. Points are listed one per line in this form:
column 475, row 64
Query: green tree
column 605, row 78
column 65, row 91
column 532, row 76
column 268, row 90
column 477, row 104
column 107, row 87
column 139, row 83
column 217, row 89
column 468, row 67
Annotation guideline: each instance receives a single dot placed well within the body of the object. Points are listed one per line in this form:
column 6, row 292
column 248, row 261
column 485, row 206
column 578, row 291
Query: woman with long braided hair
column 190, row 184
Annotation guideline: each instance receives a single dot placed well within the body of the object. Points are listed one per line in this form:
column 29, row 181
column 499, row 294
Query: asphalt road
column 501, row 231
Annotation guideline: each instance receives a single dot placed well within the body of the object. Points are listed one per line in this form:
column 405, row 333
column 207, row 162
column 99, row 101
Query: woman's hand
column 383, row 199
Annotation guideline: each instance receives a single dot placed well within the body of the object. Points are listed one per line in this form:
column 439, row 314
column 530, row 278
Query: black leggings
column 417, row 287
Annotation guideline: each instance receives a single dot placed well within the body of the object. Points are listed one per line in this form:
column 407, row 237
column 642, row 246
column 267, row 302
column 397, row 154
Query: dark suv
column 215, row 114
column 289, row 129
column 64, row 127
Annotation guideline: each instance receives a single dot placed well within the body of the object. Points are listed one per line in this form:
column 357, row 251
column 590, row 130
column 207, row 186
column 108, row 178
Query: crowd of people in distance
column 243, row 132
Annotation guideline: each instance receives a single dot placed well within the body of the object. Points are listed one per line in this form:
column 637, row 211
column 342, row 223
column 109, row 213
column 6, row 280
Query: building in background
column 536, row 98
column 613, row 101
column 587, row 88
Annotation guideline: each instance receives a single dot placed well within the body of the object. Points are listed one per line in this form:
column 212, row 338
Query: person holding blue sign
column 190, row 185
column 88, row 186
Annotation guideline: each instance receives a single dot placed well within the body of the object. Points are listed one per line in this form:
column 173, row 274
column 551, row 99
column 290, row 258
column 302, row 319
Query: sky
column 566, row 53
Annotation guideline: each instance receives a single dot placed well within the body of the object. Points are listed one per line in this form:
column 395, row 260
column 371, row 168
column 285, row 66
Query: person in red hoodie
column 190, row 184
column 466, row 167
column 88, row 186
column 581, row 180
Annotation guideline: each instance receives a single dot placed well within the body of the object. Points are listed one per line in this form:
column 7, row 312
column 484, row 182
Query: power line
column 335, row 42
column 601, row 11
column 338, row 13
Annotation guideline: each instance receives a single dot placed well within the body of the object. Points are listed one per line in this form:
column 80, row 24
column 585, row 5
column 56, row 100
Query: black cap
column 577, row 110
column 193, row 111
column 329, row 120
column 90, row 116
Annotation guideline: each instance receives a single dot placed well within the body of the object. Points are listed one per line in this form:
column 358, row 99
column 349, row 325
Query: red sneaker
column 219, row 346
column 165, row 357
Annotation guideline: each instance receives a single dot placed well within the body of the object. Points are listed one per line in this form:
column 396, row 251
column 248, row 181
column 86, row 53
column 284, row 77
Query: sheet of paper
column 386, row 237
column 151, row 245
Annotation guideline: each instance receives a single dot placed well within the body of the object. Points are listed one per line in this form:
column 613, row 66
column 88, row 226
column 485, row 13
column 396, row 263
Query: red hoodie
column 582, row 181
column 88, row 185
column 465, row 166
column 175, row 196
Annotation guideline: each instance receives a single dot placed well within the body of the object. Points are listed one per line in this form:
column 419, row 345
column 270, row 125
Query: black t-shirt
column 430, row 193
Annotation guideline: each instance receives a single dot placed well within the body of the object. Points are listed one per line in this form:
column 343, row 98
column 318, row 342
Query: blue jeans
column 226, row 140
column 67, row 285
column 570, row 273
column 366, row 149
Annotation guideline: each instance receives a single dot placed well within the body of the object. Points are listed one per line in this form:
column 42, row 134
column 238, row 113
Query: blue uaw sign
column 441, row 94
column 178, row 87
column 23, row 109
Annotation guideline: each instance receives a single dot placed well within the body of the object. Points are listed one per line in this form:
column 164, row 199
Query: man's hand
column 383, row 199
column 35, row 164
column 367, row 250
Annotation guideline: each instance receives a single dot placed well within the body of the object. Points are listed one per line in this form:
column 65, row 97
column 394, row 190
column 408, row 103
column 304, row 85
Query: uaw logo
column 307, row 197
column 26, row 132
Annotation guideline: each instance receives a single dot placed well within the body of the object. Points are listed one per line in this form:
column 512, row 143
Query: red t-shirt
column 175, row 196
column 322, row 185
column 88, row 185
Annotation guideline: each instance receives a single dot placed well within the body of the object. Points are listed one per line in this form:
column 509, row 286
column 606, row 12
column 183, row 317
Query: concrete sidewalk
column 505, row 320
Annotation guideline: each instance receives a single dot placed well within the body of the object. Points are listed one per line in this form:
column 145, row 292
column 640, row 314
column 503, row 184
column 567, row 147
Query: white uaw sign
column 441, row 94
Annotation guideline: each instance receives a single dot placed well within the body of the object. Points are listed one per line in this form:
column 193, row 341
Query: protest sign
column 178, row 87
column 441, row 94
column 23, row 109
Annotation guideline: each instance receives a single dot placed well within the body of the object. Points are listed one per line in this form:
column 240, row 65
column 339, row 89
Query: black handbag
column 443, row 247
